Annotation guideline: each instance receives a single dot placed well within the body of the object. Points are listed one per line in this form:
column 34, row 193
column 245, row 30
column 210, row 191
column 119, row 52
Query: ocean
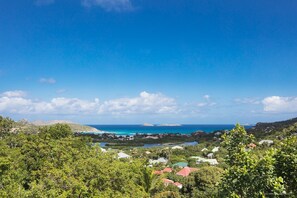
column 183, row 129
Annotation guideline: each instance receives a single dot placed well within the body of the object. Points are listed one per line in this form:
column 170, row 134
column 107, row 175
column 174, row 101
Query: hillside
column 32, row 127
column 74, row 126
column 262, row 129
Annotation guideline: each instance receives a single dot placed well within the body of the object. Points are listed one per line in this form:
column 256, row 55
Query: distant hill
column 263, row 129
column 50, row 122
column 33, row 127
column 79, row 128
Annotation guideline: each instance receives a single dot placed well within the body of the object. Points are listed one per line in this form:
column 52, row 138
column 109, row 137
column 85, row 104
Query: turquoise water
column 103, row 144
column 183, row 129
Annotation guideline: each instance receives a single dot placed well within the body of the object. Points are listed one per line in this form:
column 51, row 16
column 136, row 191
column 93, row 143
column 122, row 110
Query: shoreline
column 132, row 130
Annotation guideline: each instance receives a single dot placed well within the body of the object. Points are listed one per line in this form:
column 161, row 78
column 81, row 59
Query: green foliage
column 248, row 176
column 5, row 126
column 207, row 180
column 53, row 163
column 167, row 194
column 235, row 143
column 286, row 163
column 151, row 183
column 56, row 131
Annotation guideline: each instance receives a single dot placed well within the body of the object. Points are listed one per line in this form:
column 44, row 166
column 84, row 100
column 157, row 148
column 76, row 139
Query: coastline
column 186, row 129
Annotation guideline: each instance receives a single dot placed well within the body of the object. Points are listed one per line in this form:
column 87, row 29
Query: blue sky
column 128, row 61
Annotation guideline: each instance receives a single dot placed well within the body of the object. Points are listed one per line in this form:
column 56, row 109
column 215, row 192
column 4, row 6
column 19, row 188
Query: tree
column 5, row 126
column 286, row 163
column 207, row 180
column 56, row 131
column 151, row 183
column 247, row 175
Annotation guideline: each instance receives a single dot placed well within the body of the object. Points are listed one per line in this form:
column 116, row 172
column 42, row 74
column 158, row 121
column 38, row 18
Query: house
column 204, row 160
column 215, row 149
column 179, row 185
column 177, row 147
column 156, row 172
column 167, row 181
column 210, row 155
column 130, row 137
column 186, row 171
column 122, row 155
column 170, row 182
column 167, row 170
column 218, row 133
column 251, row 145
column 159, row 160
column 180, row 164
column 268, row 142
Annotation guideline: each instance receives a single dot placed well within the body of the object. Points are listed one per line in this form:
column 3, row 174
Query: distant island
column 148, row 124
column 162, row 125
column 169, row 125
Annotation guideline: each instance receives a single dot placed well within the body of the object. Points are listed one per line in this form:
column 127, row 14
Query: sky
column 144, row 61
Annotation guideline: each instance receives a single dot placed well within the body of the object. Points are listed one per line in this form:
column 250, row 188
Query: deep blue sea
column 183, row 129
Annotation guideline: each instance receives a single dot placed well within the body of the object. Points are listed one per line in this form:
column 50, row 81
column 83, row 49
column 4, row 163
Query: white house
column 160, row 160
column 215, row 149
column 204, row 160
column 268, row 142
column 123, row 155
column 218, row 133
column 210, row 155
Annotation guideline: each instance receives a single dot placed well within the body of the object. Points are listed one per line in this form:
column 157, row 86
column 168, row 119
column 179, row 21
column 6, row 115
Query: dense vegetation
column 52, row 162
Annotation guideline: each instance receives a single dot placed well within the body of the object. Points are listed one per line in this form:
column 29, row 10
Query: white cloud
column 15, row 93
column 146, row 103
column 110, row 5
column 280, row 104
column 47, row 80
column 44, row 2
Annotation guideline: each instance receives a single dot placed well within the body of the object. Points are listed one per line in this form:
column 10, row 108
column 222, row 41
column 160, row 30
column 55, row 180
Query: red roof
column 186, row 171
column 252, row 145
column 156, row 172
column 179, row 185
column 167, row 181
column 167, row 170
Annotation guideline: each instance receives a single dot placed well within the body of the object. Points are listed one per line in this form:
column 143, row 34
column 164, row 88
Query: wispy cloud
column 110, row 5
column 44, row 2
column 207, row 102
column 253, row 101
column 278, row 104
column 47, row 80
